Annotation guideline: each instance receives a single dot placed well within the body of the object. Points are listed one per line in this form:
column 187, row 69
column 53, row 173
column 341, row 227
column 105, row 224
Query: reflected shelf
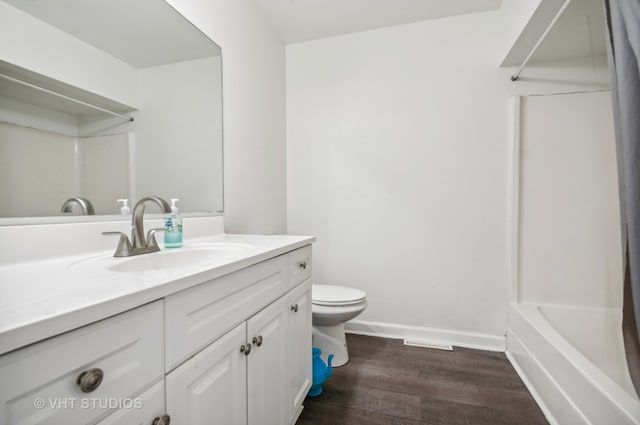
column 17, row 89
column 31, row 100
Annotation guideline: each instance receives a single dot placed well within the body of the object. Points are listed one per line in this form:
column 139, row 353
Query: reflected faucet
column 87, row 208
column 140, row 244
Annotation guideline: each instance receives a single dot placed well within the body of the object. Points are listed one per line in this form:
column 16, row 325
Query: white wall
column 104, row 171
column 569, row 236
column 37, row 171
column 40, row 170
column 253, row 68
column 178, row 134
column 397, row 162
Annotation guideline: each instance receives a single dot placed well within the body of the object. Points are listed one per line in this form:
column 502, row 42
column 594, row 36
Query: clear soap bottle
column 125, row 206
column 173, row 227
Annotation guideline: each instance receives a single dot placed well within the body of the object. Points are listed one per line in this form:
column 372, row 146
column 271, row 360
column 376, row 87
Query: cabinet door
column 211, row 387
column 267, row 368
column 299, row 347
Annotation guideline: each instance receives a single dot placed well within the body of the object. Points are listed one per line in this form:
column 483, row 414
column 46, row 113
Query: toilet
column 331, row 307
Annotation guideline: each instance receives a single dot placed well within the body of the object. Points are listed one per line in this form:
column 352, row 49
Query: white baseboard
column 461, row 339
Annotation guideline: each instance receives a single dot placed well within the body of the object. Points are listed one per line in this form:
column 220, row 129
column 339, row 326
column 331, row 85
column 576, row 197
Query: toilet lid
column 336, row 295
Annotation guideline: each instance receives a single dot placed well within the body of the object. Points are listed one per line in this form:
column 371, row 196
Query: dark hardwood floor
column 388, row 383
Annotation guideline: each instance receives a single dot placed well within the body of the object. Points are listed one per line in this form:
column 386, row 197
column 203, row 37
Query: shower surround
column 565, row 271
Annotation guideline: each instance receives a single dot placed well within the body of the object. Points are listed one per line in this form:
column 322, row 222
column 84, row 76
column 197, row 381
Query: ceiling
column 115, row 27
column 304, row 20
column 579, row 32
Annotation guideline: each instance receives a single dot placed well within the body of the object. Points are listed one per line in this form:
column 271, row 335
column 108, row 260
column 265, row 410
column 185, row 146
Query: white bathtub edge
column 538, row 372
column 531, row 388
column 537, row 348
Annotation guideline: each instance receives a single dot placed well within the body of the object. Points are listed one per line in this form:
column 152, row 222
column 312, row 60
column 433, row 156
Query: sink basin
column 196, row 255
column 169, row 259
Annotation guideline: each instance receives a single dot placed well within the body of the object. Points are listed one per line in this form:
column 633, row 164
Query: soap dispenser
column 125, row 206
column 173, row 227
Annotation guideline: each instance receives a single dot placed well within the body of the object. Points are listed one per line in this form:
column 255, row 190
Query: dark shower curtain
column 623, row 19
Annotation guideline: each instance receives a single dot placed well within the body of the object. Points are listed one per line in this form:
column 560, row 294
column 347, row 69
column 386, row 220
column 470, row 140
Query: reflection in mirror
column 105, row 105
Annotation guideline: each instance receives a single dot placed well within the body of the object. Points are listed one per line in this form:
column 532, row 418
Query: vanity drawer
column 299, row 265
column 39, row 383
column 198, row 316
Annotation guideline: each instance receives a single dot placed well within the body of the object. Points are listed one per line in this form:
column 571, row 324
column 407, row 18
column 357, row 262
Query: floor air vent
column 428, row 344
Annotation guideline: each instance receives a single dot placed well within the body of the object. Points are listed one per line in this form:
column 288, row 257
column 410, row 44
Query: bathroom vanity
column 216, row 332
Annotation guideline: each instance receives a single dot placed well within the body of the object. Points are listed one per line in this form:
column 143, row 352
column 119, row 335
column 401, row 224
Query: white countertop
column 40, row 299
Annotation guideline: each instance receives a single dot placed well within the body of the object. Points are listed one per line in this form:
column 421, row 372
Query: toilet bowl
column 331, row 307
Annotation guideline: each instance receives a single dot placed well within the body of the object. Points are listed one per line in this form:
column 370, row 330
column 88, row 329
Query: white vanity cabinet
column 235, row 349
column 81, row 376
column 252, row 375
column 257, row 373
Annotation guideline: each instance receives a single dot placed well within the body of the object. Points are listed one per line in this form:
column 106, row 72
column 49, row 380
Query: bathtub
column 572, row 360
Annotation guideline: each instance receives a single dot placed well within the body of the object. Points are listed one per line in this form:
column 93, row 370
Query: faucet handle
column 124, row 246
column 150, row 241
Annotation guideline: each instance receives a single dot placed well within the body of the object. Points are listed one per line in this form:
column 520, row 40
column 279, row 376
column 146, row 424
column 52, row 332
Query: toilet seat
column 334, row 295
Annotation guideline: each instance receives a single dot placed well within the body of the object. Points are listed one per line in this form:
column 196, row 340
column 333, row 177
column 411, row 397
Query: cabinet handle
column 294, row 308
column 162, row 420
column 303, row 264
column 90, row 379
column 257, row 340
column 246, row 349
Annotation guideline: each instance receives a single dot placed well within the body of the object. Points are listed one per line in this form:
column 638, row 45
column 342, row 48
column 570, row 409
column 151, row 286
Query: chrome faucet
column 140, row 244
column 87, row 208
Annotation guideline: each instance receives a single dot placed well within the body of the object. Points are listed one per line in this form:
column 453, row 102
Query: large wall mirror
column 105, row 100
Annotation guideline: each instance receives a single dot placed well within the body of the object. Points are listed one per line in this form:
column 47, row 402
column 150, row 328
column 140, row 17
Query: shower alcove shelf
column 559, row 32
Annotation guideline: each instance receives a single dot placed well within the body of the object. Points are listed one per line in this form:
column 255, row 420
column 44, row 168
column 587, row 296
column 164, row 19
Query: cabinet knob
column 162, row 420
column 90, row 379
column 246, row 349
column 303, row 264
column 294, row 308
column 257, row 340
